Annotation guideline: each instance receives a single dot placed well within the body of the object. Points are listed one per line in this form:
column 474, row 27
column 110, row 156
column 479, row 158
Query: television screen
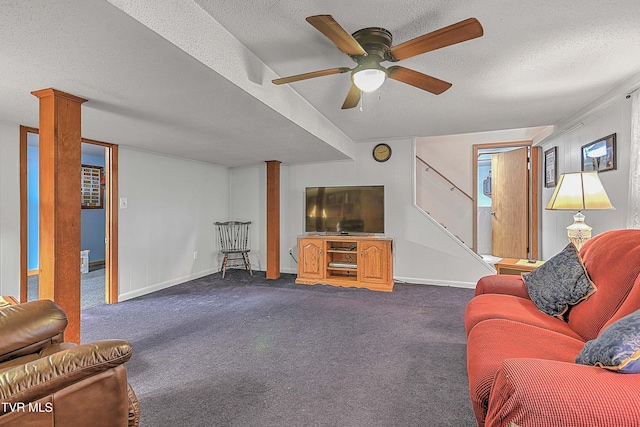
column 345, row 210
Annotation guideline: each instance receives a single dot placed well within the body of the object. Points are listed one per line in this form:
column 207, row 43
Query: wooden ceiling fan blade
column 334, row 32
column 310, row 75
column 419, row 80
column 353, row 98
column 455, row 33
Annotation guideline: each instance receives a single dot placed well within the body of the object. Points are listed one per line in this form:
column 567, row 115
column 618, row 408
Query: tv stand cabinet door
column 374, row 265
column 311, row 261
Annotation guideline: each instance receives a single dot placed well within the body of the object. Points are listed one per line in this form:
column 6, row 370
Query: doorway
column 99, row 226
column 505, row 200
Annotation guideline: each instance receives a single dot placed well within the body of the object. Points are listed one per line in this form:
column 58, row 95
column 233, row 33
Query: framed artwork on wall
column 550, row 167
column 599, row 155
column 91, row 187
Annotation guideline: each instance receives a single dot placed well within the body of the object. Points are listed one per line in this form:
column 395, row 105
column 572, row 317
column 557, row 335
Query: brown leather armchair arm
column 29, row 328
column 44, row 376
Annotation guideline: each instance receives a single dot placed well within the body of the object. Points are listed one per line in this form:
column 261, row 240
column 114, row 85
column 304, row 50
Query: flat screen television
column 345, row 210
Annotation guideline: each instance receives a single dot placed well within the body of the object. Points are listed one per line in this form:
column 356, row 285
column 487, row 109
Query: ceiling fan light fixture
column 369, row 47
column 369, row 79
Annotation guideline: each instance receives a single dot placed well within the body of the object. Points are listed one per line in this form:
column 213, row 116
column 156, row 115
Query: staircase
column 445, row 202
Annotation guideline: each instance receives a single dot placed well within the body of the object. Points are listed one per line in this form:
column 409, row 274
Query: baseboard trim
column 37, row 271
column 421, row 281
column 163, row 285
column 169, row 283
column 414, row 280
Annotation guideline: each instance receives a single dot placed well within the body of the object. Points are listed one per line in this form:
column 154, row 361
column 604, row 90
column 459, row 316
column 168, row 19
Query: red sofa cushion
column 612, row 260
column 630, row 304
column 492, row 341
column 543, row 393
column 497, row 306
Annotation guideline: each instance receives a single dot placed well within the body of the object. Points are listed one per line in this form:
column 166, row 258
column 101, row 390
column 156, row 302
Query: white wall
column 616, row 118
column 446, row 204
column 452, row 156
column 248, row 195
column 248, row 203
column 9, row 209
column 172, row 205
column 423, row 253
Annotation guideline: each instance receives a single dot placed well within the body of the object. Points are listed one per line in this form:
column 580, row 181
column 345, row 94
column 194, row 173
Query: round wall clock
column 382, row 152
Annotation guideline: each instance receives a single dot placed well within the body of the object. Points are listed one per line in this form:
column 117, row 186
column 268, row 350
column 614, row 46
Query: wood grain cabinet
column 311, row 259
column 352, row 261
column 375, row 261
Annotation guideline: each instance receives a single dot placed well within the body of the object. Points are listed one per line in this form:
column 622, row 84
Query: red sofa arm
column 536, row 392
column 502, row 284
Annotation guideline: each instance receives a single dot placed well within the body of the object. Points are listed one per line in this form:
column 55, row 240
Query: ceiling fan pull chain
column 361, row 101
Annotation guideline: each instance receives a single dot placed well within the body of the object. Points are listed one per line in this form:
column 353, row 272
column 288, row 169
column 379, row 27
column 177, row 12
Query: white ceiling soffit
column 143, row 91
column 196, row 32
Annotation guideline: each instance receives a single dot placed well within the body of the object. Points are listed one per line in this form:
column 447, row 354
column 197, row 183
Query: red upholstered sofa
column 521, row 362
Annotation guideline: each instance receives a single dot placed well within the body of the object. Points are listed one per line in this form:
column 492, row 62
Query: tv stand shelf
column 352, row 261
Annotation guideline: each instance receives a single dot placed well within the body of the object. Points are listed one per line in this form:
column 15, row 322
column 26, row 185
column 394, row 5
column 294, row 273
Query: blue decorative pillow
column 617, row 347
column 559, row 282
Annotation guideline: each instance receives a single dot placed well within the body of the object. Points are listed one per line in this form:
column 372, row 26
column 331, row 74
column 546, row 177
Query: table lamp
column 579, row 191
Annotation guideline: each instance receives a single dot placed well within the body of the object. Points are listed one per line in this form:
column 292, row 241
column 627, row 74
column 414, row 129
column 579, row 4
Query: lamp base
column 579, row 232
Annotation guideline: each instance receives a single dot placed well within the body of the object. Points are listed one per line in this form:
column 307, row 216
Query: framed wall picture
column 550, row 167
column 91, row 187
column 599, row 155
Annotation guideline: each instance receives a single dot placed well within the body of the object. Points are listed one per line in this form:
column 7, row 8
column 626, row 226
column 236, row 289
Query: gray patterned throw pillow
column 617, row 348
column 559, row 282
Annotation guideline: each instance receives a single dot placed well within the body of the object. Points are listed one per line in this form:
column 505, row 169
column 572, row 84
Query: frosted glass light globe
column 369, row 79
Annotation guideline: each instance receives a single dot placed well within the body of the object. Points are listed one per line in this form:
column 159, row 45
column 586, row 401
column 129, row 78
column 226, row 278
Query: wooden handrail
column 444, row 177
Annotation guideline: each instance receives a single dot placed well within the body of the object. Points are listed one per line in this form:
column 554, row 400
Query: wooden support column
column 273, row 219
column 60, row 160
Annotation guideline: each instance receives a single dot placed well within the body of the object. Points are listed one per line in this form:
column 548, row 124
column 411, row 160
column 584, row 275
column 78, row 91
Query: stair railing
column 441, row 198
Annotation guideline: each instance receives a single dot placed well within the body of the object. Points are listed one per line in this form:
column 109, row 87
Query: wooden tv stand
column 352, row 261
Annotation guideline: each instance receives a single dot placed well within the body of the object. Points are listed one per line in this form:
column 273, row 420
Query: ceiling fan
column 369, row 47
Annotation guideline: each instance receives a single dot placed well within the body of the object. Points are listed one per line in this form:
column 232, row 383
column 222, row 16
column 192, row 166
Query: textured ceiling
column 537, row 62
column 192, row 79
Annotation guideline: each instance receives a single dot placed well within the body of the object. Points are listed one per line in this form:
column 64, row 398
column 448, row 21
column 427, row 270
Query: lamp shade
column 579, row 191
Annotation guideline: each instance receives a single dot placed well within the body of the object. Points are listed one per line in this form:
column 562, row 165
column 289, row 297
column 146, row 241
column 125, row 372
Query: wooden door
column 311, row 259
column 373, row 266
column 510, row 204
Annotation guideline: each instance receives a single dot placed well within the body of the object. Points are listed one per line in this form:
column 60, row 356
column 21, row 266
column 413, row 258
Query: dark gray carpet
column 245, row 351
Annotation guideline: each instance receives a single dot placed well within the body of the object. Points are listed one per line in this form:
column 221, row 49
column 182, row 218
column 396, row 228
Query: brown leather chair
column 45, row 381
